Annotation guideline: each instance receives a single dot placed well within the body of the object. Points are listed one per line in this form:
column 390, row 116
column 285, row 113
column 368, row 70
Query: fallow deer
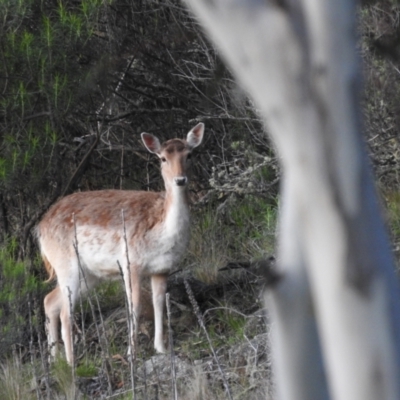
column 157, row 233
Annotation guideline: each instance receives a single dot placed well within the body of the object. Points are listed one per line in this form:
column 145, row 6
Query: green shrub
column 20, row 294
column 243, row 229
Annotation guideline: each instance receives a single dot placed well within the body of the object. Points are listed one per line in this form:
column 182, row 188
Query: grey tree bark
column 336, row 310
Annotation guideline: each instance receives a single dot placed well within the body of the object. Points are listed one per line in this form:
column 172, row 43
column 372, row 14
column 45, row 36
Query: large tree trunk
column 297, row 60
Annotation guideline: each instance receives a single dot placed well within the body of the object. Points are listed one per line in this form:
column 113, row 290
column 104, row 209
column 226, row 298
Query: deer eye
column 189, row 156
column 163, row 159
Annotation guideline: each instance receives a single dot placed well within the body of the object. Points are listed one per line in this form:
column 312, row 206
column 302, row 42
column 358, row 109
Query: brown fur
column 103, row 209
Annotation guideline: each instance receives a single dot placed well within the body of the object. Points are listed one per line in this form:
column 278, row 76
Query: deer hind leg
column 159, row 288
column 69, row 293
column 52, row 307
column 74, row 286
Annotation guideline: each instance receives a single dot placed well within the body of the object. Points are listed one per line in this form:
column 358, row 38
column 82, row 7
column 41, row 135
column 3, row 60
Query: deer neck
column 176, row 210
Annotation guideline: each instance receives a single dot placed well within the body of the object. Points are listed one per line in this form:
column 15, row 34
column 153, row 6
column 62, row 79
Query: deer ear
column 151, row 142
column 195, row 136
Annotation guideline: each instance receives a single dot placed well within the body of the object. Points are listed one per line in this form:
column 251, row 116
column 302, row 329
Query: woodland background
column 79, row 82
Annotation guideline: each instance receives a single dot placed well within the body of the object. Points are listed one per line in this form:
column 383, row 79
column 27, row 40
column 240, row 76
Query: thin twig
column 38, row 394
column 145, row 379
column 80, row 294
column 120, row 82
column 121, row 174
column 133, row 321
column 81, row 165
column 45, row 364
column 201, row 322
column 171, row 348
column 82, row 314
column 105, row 348
column 71, row 321
column 130, row 328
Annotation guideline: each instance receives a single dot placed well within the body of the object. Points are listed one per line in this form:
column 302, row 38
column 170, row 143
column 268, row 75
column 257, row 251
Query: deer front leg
column 159, row 288
column 133, row 292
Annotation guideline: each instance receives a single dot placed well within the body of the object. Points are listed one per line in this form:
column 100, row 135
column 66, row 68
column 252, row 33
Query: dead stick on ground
column 201, row 322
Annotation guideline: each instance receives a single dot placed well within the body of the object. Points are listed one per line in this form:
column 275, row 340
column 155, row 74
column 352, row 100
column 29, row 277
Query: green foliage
column 109, row 291
column 87, row 369
column 109, row 295
column 63, row 375
column 16, row 281
column 243, row 229
column 227, row 327
column 19, row 288
column 196, row 346
column 393, row 210
column 208, row 249
column 234, row 321
column 38, row 78
column 13, row 381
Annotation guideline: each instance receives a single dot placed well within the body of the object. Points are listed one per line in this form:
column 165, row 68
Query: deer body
column 157, row 233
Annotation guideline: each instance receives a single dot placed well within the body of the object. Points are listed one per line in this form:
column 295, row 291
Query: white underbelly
column 101, row 251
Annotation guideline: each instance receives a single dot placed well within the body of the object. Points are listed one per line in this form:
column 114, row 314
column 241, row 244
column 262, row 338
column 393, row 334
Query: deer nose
column 180, row 180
